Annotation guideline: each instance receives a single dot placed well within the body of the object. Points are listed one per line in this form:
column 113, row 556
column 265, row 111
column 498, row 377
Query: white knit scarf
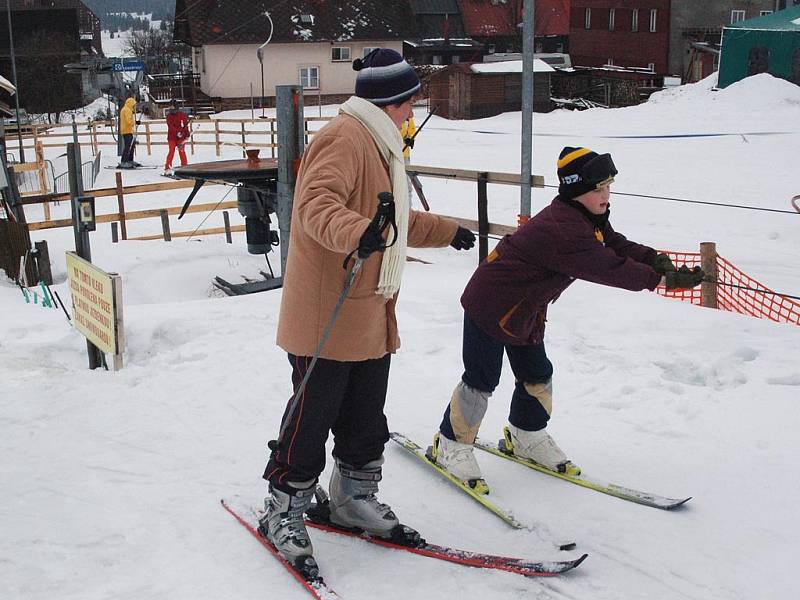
column 390, row 144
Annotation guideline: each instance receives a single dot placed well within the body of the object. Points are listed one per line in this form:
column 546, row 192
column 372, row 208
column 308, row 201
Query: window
column 490, row 49
column 587, row 20
column 309, row 77
column 653, row 19
column 764, row 13
column 612, row 13
column 367, row 50
column 340, row 53
column 635, row 19
column 436, row 59
column 610, row 62
column 651, row 67
column 456, row 59
column 737, row 15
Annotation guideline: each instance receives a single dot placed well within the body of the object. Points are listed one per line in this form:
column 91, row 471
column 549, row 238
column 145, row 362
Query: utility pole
column 527, row 112
column 16, row 85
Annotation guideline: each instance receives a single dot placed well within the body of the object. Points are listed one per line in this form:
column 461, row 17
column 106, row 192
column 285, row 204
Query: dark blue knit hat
column 385, row 78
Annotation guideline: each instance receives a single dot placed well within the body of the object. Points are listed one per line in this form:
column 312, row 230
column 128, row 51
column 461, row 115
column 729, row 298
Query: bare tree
column 155, row 47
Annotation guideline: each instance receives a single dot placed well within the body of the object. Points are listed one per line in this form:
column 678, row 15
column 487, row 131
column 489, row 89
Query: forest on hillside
column 116, row 15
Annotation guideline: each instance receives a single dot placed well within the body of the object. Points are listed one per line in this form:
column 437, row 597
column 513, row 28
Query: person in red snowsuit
column 177, row 134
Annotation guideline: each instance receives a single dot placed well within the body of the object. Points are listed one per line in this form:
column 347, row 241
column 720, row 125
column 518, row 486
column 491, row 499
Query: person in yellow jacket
column 407, row 132
column 127, row 126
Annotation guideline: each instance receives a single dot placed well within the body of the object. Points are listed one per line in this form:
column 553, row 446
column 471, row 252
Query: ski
column 118, row 168
column 415, row 450
column 612, row 489
column 318, row 517
column 316, row 586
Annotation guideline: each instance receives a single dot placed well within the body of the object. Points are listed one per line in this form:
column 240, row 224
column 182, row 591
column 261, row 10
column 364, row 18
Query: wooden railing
column 480, row 225
column 243, row 133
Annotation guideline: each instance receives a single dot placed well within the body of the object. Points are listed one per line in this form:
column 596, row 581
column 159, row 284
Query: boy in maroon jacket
column 177, row 134
column 505, row 306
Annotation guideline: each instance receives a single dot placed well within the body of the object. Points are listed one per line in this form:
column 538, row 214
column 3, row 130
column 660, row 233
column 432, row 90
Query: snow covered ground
column 111, row 481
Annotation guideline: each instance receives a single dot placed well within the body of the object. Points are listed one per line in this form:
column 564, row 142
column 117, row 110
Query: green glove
column 684, row 278
column 662, row 264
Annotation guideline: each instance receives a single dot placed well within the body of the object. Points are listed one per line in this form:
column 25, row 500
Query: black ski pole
column 384, row 217
column 416, row 133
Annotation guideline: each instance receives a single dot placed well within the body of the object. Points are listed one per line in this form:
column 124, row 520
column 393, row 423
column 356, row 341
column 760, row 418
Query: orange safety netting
column 758, row 302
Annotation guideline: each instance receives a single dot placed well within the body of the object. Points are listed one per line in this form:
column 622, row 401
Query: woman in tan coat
column 349, row 162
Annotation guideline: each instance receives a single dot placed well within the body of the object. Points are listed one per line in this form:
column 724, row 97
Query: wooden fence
column 243, row 133
column 121, row 216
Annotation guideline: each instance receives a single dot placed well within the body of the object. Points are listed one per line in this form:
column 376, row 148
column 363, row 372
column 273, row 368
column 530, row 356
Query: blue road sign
column 128, row 65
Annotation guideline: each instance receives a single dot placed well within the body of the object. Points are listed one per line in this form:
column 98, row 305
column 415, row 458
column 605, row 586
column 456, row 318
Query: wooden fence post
column 483, row 216
column 121, row 207
column 216, row 137
column 272, row 138
column 227, row 219
column 94, row 137
column 165, row 224
column 41, row 169
column 114, row 232
column 708, row 262
column 147, row 137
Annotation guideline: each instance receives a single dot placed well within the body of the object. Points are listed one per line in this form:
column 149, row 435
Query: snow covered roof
column 511, row 66
column 7, row 85
column 236, row 22
column 787, row 19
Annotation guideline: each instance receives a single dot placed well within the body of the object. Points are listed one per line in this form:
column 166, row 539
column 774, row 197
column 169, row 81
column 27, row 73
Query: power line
column 706, row 202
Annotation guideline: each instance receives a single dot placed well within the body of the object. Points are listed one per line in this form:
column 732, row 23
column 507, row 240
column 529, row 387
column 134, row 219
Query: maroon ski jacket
column 177, row 122
column 508, row 294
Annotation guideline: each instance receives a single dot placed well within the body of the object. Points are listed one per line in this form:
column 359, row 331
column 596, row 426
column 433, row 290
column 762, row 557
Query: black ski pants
column 346, row 398
column 127, row 149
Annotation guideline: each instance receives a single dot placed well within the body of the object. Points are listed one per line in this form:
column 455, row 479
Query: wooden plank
column 468, row 175
column 211, row 231
column 139, row 214
column 104, row 192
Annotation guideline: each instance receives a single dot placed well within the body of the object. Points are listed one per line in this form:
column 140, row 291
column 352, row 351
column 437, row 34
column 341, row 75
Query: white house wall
column 226, row 71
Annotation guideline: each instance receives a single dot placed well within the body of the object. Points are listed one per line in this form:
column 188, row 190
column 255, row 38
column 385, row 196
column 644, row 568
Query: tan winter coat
column 336, row 197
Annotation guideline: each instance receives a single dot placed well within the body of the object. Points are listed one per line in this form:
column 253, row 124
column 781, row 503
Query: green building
column 768, row 44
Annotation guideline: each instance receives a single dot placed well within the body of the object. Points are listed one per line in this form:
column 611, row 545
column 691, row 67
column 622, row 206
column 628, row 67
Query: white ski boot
column 459, row 460
column 353, row 503
column 283, row 526
column 539, row 447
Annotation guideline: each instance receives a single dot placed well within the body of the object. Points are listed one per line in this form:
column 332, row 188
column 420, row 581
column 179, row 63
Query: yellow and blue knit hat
column 581, row 170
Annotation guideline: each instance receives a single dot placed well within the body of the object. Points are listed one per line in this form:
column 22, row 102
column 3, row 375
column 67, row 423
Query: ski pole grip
column 385, row 210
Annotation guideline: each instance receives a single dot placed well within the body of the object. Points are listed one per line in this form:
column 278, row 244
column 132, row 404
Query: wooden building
column 479, row 90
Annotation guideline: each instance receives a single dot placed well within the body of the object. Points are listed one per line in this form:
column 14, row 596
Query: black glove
column 409, row 142
column 464, row 239
column 662, row 264
column 684, row 279
column 371, row 241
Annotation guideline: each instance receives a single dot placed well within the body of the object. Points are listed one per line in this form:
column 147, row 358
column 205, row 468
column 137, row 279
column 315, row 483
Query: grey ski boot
column 283, row 526
column 353, row 504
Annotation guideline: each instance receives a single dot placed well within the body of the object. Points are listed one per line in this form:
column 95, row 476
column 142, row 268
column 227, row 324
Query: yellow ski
column 612, row 489
column 415, row 450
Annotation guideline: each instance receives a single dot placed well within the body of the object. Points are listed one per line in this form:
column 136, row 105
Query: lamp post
column 260, row 54
column 14, row 75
